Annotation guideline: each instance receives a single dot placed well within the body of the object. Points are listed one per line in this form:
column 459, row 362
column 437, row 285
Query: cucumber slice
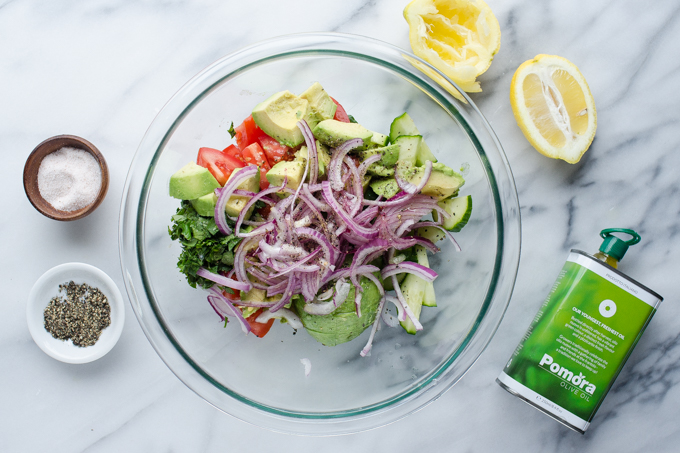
column 404, row 125
column 387, row 283
column 379, row 139
column 460, row 209
column 433, row 234
column 413, row 289
column 408, row 147
column 429, row 299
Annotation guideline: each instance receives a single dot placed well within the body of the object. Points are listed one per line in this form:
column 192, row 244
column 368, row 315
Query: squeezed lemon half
column 553, row 107
column 458, row 37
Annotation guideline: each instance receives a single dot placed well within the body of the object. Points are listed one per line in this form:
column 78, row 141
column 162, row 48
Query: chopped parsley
column 203, row 245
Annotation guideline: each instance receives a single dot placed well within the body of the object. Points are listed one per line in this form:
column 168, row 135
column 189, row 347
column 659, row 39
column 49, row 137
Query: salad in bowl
column 315, row 220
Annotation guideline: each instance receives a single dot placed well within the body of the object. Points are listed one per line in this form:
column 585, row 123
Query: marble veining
column 103, row 69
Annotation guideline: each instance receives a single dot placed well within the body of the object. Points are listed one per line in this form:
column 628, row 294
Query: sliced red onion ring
column 290, row 317
column 410, row 267
column 223, row 281
column 390, row 320
column 259, row 196
column 227, row 191
column 367, row 163
column 410, row 188
column 406, row 309
column 240, row 258
column 324, row 296
column 326, row 246
column 312, row 154
column 335, row 165
column 299, row 265
column 368, row 233
column 223, row 308
column 376, row 245
column 369, row 344
column 287, row 294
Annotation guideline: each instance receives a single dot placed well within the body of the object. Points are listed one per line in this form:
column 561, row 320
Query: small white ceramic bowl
column 47, row 287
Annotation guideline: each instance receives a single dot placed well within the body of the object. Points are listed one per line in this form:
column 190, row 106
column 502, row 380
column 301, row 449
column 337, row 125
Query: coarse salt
column 69, row 179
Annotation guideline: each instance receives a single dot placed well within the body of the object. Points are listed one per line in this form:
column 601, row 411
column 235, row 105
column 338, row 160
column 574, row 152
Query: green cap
column 614, row 246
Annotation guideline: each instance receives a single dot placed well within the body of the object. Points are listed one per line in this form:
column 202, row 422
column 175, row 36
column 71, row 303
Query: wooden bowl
column 31, row 176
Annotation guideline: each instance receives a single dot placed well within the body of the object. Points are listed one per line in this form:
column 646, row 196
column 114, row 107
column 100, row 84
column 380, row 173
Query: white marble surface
column 102, row 69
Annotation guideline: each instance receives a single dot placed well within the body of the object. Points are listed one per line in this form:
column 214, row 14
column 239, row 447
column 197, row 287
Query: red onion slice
column 223, row 281
column 312, row 154
column 369, row 344
column 290, row 317
column 335, row 166
column 223, row 307
column 367, row 233
column 367, row 163
column 227, row 191
column 259, row 196
column 409, row 187
column 410, row 267
column 406, row 309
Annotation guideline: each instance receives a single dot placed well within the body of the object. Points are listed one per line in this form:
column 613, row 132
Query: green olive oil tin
column 582, row 335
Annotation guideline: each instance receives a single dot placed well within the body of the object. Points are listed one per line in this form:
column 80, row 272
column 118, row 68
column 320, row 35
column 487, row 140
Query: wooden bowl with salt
column 62, row 182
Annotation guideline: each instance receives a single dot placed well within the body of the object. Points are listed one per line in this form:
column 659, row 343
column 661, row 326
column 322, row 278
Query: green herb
column 231, row 130
column 352, row 120
column 203, row 245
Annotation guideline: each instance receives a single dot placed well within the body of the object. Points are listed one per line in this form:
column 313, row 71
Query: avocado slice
column 334, row 133
column 443, row 181
column 343, row 324
column 390, row 155
column 321, row 105
column 323, row 157
column 205, row 205
column 192, row 181
column 292, row 170
column 387, row 188
column 380, row 170
column 279, row 114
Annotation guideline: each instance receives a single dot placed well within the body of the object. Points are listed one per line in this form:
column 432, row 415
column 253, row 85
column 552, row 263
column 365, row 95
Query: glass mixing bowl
column 262, row 381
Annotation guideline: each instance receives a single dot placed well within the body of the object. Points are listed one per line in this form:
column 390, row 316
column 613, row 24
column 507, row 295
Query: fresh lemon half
column 553, row 107
column 458, row 37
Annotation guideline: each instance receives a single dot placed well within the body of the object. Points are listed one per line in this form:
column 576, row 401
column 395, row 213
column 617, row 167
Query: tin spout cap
column 614, row 246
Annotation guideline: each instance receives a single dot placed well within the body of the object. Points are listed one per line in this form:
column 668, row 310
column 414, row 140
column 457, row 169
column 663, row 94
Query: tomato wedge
column 236, row 295
column 218, row 163
column 275, row 151
column 233, row 151
column 246, row 133
column 340, row 113
column 253, row 154
column 260, row 329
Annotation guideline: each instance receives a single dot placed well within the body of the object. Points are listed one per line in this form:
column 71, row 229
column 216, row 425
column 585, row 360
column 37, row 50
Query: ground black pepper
column 80, row 317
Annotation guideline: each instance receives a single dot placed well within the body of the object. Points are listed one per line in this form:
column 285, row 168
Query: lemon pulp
column 458, row 37
column 553, row 107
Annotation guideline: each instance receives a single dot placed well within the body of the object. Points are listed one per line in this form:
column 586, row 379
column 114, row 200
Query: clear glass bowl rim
column 132, row 221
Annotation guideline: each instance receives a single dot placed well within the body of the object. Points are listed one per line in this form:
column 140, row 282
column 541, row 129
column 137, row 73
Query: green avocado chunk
column 390, row 155
column 386, row 188
column 292, row 170
column 343, row 324
column 320, row 103
column 333, row 133
column 279, row 114
column 443, row 181
column 192, row 181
